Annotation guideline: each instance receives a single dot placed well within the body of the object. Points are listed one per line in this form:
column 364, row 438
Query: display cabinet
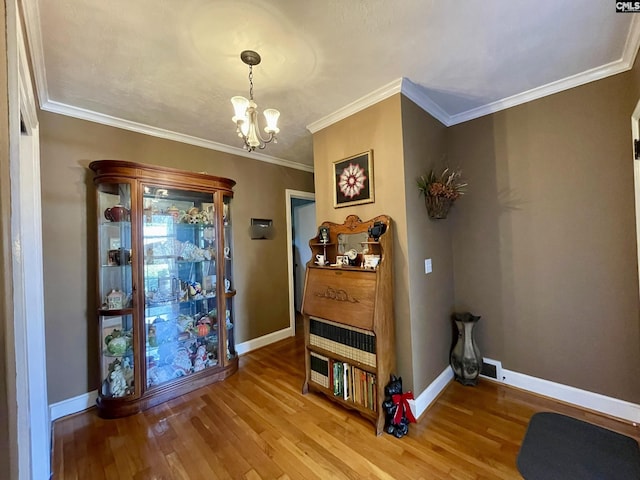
column 348, row 315
column 165, row 283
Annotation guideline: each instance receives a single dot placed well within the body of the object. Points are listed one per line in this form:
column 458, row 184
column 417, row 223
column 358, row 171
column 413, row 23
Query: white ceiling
column 169, row 67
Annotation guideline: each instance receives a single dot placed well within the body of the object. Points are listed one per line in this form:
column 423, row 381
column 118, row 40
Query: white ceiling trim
column 91, row 116
column 540, row 92
column 414, row 93
column 625, row 63
column 31, row 14
column 372, row 98
column 633, row 42
column 417, row 95
column 411, row 90
column 404, row 85
column 28, row 108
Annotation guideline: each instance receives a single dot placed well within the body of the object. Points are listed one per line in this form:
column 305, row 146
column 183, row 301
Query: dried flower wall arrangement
column 440, row 190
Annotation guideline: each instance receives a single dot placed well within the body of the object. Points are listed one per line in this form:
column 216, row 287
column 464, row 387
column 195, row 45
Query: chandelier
column 246, row 112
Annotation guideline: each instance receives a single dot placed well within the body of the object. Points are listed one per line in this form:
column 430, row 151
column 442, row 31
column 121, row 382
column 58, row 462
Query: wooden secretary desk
column 349, row 327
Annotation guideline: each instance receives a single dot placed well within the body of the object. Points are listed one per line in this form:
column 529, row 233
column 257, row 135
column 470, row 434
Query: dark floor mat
column 564, row 448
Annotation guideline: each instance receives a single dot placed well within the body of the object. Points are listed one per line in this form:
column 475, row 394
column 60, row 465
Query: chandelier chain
column 251, row 82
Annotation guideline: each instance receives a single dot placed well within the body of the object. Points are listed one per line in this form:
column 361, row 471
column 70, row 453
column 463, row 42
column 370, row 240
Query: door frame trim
column 635, row 135
column 33, row 425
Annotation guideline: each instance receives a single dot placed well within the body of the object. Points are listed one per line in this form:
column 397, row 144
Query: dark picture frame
column 353, row 180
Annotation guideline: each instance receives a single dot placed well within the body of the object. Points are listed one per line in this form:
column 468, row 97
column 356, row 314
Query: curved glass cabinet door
column 229, row 292
column 115, row 285
column 180, row 283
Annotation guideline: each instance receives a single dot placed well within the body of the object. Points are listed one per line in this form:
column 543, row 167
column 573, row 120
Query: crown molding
column 416, row 94
column 625, row 63
column 633, row 42
column 402, row 85
column 31, row 15
column 536, row 93
column 368, row 100
column 28, row 109
column 91, row 116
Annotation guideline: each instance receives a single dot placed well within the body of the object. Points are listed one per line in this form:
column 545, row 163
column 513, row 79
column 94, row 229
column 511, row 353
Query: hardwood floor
column 257, row 425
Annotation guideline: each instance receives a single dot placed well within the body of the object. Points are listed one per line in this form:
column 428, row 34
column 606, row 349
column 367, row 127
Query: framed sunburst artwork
column 353, row 180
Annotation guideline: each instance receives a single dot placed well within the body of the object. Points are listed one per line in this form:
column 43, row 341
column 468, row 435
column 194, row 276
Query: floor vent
column 491, row 369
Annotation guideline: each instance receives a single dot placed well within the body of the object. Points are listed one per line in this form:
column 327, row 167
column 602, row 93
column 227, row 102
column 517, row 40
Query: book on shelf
column 350, row 342
column 373, row 392
column 338, row 379
column 343, row 334
column 319, row 369
column 346, row 390
column 347, row 381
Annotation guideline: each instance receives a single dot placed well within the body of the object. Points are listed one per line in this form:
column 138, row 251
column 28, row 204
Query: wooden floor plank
column 256, row 425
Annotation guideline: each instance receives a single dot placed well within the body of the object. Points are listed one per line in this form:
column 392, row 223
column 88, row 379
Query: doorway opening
column 301, row 227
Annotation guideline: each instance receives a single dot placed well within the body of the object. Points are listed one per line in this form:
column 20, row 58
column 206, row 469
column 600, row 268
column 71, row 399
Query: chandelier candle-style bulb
column 271, row 115
column 240, row 105
column 246, row 112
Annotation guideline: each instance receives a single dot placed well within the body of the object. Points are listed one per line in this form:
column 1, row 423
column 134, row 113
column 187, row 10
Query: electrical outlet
column 427, row 265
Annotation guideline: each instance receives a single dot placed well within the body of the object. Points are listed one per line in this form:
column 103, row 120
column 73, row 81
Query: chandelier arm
column 271, row 138
column 263, row 141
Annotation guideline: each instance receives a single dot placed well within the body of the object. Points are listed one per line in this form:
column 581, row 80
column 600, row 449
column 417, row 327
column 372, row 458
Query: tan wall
column 635, row 81
column 430, row 296
column 405, row 141
column 544, row 243
column 8, row 450
column 376, row 128
column 543, row 247
column 260, row 270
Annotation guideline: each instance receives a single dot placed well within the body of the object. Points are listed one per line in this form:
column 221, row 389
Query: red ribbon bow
column 402, row 401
